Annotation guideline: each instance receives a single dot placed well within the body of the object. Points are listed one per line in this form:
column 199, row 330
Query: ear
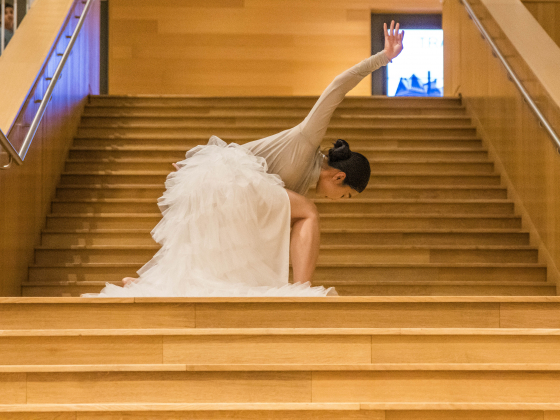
column 339, row 177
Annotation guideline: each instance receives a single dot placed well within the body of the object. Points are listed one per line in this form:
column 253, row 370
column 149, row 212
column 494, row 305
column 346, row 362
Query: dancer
column 228, row 209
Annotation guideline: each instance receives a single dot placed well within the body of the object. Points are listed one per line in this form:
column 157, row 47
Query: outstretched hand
column 393, row 40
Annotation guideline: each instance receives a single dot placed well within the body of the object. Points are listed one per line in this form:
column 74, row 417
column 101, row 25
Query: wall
column 26, row 191
column 547, row 13
column 241, row 47
column 522, row 150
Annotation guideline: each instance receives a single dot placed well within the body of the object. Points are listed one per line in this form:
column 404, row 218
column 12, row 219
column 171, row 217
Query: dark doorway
column 407, row 22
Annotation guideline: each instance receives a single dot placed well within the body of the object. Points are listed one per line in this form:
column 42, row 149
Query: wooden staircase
column 423, row 358
column 435, row 219
column 448, row 314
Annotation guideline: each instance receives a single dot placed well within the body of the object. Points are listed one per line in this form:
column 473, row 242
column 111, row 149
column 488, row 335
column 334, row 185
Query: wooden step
column 177, row 153
column 328, row 221
column 347, row 244
column 378, row 165
column 269, row 122
column 70, row 273
column 223, row 369
column 401, row 206
column 418, row 221
column 415, row 237
column 120, row 101
column 439, row 288
column 270, row 111
column 414, row 288
column 459, row 131
column 281, row 383
column 332, row 312
column 316, row 346
column 492, row 192
column 281, row 411
column 362, row 206
column 188, row 140
column 77, row 261
column 435, row 272
column 376, row 179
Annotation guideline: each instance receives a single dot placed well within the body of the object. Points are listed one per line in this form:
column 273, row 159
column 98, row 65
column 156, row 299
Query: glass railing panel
column 31, row 112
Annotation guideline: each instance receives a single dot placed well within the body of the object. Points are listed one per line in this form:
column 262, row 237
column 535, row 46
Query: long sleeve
column 315, row 124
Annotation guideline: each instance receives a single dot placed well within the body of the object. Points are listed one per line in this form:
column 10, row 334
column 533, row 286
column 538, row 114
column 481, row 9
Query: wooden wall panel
column 26, row 191
column 522, row 150
column 547, row 13
column 241, row 47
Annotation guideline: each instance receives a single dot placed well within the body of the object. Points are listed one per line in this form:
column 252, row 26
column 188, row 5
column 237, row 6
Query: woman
column 228, row 209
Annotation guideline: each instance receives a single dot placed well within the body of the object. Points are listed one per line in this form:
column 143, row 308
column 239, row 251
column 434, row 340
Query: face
column 9, row 18
column 331, row 185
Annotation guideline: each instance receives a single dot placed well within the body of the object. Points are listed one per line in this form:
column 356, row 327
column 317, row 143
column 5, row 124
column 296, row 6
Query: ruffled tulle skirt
column 225, row 231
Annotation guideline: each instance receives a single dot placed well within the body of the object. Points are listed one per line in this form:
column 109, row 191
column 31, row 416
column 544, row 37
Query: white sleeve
column 315, row 124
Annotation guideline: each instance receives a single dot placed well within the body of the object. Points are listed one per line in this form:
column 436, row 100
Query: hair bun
column 340, row 151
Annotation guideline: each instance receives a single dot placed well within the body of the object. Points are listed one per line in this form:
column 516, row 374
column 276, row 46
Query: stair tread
column 93, row 110
column 348, row 99
column 284, row 300
column 114, row 115
column 203, row 138
column 446, row 247
column 328, row 265
column 373, row 173
column 284, row 367
column 329, row 283
column 333, row 283
column 372, row 160
column 316, row 200
column 72, row 332
column 279, row 123
column 324, row 215
column 369, row 187
column 372, row 406
column 356, row 149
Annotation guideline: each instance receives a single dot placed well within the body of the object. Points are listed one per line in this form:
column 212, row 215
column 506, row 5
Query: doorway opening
column 418, row 70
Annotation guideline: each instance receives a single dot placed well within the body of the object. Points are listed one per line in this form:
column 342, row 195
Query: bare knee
column 302, row 207
column 312, row 211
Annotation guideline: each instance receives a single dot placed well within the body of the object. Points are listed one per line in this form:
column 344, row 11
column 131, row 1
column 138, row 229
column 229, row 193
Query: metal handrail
column 19, row 156
column 542, row 119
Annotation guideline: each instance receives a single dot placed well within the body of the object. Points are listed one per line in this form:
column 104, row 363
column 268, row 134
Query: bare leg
column 305, row 238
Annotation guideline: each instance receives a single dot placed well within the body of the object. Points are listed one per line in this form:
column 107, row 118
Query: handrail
column 542, row 119
column 19, row 156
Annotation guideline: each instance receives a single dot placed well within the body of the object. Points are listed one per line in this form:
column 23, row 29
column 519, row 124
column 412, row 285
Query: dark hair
column 354, row 165
column 8, row 5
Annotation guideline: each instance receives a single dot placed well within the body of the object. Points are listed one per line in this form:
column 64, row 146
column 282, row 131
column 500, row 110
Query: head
column 9, row 17
column 344, row 174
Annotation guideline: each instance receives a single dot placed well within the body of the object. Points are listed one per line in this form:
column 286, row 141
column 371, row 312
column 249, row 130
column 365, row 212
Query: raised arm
column 315, row 124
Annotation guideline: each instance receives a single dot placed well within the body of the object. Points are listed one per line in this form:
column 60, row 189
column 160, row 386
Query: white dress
column 225, row 230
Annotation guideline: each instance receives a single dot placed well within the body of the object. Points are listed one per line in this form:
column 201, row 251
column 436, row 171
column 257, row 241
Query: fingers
column 393, row 30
